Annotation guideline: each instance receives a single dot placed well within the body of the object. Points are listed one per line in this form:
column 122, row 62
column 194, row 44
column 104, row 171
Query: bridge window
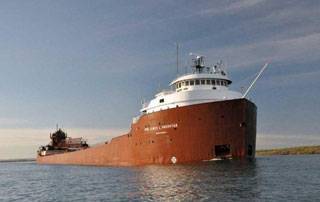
column 203, row 82
column 197, row 82
column 208, row 82
column 182, row 83
column 161, row 100
column 191, row 82
column 218, row 82
column 213, row 82
column 179, row 84
column 187, row 83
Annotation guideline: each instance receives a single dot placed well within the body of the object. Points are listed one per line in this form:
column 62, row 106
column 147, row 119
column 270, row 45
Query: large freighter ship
column 199, row 119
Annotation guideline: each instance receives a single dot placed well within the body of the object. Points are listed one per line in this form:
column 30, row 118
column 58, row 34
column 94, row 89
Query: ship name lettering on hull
column 156, row 128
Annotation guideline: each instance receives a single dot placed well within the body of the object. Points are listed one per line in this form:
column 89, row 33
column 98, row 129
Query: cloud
column 293, row 79
column 275, row 32
column 289, row 14
column 176, row 14
column 230, row 8
column 240, row 5
column 5, row 122
column 302, row 48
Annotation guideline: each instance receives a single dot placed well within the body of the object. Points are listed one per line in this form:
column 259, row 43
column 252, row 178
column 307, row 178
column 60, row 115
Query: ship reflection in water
column 215, row 180
column 278, row 178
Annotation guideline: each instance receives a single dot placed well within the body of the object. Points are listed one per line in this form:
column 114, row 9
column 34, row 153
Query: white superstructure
column 204, row 84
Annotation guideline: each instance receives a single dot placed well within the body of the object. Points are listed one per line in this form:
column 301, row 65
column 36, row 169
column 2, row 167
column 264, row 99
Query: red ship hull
column 195, row 133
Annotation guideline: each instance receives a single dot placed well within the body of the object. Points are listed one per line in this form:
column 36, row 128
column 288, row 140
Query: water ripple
column 282, row 178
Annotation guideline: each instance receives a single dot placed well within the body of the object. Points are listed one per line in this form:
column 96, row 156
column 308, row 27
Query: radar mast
column 198, row 64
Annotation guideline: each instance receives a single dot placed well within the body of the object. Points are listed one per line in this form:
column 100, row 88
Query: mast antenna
column 177, row 46
column 254, row 81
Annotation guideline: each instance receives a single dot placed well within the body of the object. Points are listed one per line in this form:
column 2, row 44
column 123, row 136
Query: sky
column 87, row 65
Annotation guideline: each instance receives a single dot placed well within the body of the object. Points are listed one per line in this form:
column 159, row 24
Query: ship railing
column 164, row 92
column 135, row 119
column 145, row 104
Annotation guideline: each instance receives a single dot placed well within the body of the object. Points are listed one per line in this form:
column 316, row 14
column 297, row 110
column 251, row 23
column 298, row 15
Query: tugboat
column 60, row 143
column 198, row 119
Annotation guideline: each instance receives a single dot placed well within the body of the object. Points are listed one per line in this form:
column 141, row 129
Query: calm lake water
column 277, row 178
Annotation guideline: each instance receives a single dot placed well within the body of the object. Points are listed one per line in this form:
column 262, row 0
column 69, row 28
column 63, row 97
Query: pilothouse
column 204, row 84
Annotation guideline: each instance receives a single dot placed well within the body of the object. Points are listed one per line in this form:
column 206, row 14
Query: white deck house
column 205, row 84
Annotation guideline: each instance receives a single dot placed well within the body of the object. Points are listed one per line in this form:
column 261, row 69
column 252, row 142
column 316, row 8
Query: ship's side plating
column 193, row 133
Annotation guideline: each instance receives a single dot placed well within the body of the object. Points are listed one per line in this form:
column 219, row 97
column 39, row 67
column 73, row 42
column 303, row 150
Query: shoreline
column 16, row 160
column 300, row 150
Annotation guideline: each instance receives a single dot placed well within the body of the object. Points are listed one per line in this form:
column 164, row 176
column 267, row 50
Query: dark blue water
column 278, row 178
